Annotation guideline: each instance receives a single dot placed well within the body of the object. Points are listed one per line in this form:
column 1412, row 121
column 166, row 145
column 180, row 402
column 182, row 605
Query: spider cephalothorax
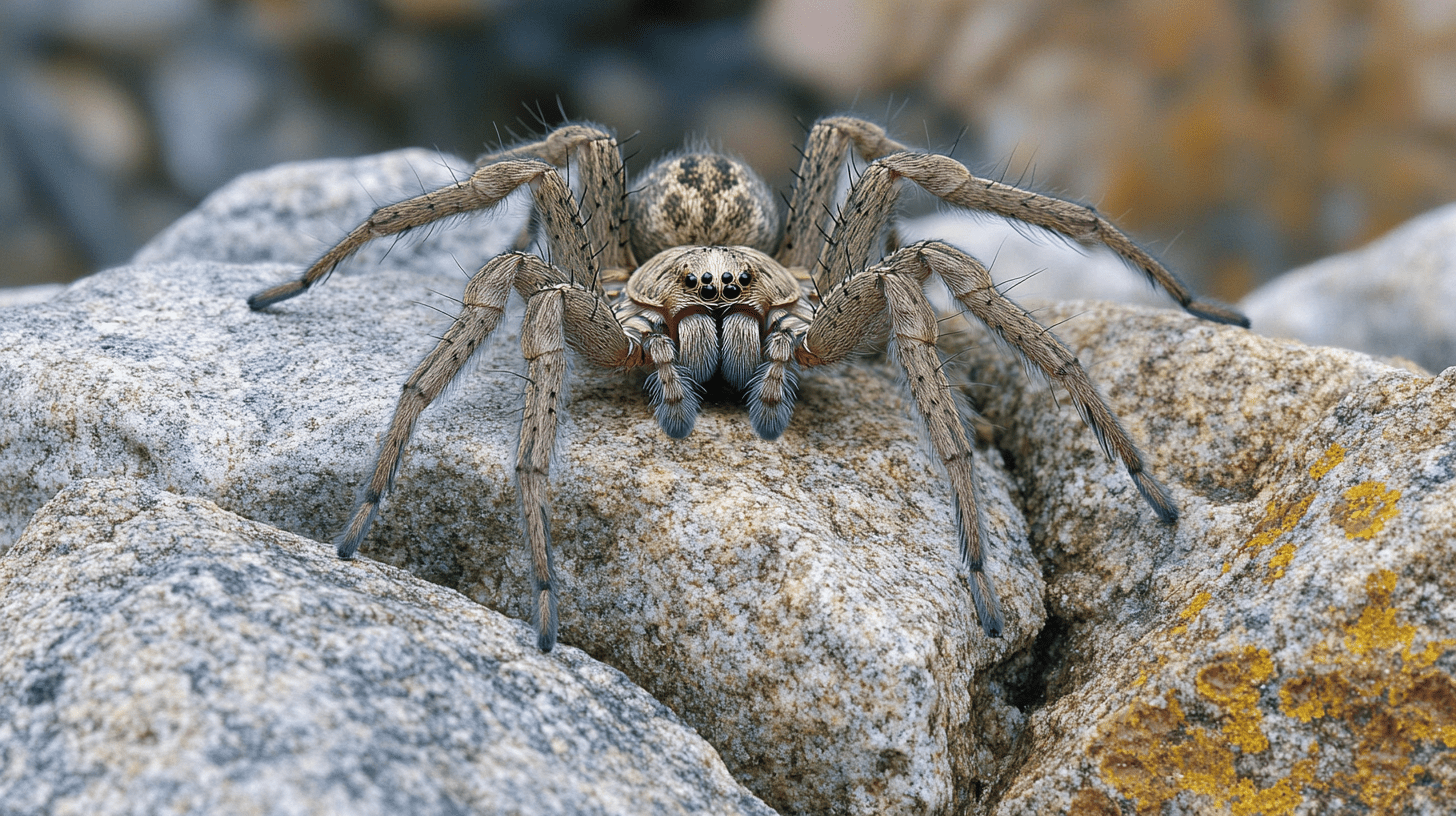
column 697, row 278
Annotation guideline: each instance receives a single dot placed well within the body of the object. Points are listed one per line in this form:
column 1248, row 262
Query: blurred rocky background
column 1238, row 138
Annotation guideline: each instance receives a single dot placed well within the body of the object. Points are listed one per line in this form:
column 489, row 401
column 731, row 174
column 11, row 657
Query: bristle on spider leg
column 276, row 294
column 988, row 606
column 675, row 401
column 983, row 590
column 771, row 399
column 543, row 613
column 347, row 543
column 1217, row 313
column 1156, row 495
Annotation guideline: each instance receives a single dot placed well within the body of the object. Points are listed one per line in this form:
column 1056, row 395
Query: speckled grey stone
column 1394, row 297
column 161, row 655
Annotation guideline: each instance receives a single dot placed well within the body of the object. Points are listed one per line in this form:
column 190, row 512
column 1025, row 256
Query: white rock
column 25, row 295
column 1394, row 297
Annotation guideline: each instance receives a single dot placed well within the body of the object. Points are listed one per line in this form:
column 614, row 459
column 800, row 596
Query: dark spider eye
column 690, row 281
column 727, row 277
column 708, row 292
column 744, row 278
column 731, row 290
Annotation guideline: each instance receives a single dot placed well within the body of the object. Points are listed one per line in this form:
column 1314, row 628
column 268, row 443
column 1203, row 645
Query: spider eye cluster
column 708, row 289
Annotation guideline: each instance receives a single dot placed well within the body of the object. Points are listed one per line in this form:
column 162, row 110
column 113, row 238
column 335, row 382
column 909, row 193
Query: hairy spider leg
column 601, row 180
column 896, row 287
column 599, row 238
column 806, row 241
column 562, row 307
column 870, row 204
column 559, row 312
column 817, row 182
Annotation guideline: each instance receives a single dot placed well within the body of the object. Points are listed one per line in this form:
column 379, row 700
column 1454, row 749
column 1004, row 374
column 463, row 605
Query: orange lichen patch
column 1152, row 754
column 1370, row 690
column 1430, row 705
column 1144, row 753
column 1383, row 694
column 1383, row 769
column 1284, row 795
column 1308, row 697
column 1377, row 627
column 1428, row 655
column 1279, row 518
column 1364, row 509
column 1279, row 562
column 1233, row 682
column 1143, row 675
column 1191, row 611
column 1332, row 456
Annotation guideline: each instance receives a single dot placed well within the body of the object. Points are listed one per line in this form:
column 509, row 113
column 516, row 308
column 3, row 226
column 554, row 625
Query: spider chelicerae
column 696, row 276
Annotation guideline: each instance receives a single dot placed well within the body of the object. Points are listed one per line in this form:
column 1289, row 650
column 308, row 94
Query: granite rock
column 161, row 655
column 1394, row 297
column 26, row 295
column 1289, row 646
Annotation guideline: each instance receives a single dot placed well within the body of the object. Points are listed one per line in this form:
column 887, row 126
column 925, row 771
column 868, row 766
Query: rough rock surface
column 1394, row 297
column 161, row 655
column 797, row 602
column 1289, row 647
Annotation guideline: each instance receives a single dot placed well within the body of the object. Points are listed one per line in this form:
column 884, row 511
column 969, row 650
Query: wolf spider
column 696, row 275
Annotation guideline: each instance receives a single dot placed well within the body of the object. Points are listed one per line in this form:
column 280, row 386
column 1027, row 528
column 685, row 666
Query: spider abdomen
column 703, row 199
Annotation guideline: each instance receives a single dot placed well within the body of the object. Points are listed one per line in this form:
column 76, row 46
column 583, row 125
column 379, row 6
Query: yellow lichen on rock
column 1233, row 683
column 1151, row 754
column 1364, row 509
column 1191, row 611
column 1370, row 689
column 1332, row 456
column 1279, row 518
column 1279, row 561
column 1377, row 627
